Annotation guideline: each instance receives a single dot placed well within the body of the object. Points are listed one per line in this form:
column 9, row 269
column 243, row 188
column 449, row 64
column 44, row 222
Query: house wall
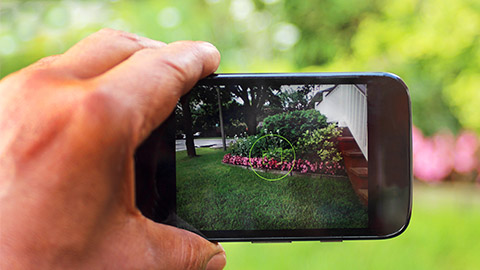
column 346, row 105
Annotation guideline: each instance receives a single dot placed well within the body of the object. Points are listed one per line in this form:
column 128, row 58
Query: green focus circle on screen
column 250, row 157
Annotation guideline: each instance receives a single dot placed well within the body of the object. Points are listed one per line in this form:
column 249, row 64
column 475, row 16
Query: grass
column 444, row 233
column 213, row 196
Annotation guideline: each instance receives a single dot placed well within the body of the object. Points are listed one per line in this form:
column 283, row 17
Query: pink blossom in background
column 433, row 158
column 478, row 175
column 466, row 148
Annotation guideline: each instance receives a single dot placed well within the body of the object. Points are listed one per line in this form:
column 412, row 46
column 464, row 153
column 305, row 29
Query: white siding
column 347, row 106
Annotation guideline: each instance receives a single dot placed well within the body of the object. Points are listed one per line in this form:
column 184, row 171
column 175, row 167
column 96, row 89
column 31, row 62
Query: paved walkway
column 201, row 142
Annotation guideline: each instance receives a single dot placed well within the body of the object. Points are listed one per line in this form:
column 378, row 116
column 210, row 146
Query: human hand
column 69, row 126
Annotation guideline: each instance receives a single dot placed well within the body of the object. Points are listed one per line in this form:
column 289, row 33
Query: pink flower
column 300, row 165
column 432, row 157
column 466, row 146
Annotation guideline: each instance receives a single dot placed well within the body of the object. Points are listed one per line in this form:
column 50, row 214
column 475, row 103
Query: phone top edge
column 306, row 74
column 310, row 75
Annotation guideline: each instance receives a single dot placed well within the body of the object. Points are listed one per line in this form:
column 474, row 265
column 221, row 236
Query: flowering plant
column 436, row 158
column 299, row 165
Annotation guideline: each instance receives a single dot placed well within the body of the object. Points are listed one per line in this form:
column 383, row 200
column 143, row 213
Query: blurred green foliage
column 433, row 45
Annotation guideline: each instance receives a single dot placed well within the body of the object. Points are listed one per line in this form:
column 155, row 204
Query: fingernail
column 217, row 262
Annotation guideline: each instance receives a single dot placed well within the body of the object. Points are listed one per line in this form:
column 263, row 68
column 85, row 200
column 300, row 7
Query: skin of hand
column 69, row 127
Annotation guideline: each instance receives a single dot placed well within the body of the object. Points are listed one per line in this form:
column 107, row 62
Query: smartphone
column 283, row 157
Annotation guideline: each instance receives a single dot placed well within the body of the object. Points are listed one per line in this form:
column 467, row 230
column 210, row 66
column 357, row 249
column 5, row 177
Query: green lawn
column 212, row 196
column 444, row 233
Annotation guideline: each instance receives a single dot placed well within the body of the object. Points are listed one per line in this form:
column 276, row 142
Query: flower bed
column 299, row 165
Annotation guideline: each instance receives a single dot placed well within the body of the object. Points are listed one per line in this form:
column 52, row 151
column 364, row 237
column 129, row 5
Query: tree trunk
column 251, row 118
column 222, row 129
column 187, row 126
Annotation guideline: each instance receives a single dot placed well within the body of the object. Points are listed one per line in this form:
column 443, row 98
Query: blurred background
column 434, row 45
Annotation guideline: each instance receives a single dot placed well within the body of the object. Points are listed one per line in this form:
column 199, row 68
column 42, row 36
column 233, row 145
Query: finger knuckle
column 95, row 109
column 192, row 260
column 102, row 109
column 178, row 70
column 172, row 70
column 44, row 62
column 109, row 33
column 33, row 79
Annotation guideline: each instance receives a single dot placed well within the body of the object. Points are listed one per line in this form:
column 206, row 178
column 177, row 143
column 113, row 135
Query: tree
column 298, row 99
column 253, row 99
column 187, row 125
column 432, row 44
column 198, row 112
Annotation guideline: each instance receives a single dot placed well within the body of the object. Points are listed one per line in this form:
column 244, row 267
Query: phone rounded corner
column 401, row 229
column 396, row 78
column 398, row 232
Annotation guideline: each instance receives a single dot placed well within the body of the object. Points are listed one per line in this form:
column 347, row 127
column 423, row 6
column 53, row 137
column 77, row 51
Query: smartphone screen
column 273, row 156
column 286, row 157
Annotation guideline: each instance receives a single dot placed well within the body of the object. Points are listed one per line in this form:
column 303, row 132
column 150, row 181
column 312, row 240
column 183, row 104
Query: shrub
column 279, row 154
column 292, row 125
column 241, row 147
column 320, row 145
column 270, row 145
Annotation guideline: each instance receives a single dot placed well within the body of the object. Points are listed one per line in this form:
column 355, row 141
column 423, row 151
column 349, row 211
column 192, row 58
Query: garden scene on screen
column 433, row 45
column 272, row 157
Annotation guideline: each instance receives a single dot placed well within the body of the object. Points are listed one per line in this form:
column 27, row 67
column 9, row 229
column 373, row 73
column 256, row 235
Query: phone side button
column 270, row 242
column 331, row 240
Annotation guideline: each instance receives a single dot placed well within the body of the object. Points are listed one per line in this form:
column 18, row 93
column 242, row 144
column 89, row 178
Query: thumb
column 181, row 249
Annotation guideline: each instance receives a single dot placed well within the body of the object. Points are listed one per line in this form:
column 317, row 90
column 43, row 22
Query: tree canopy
column 433, row 45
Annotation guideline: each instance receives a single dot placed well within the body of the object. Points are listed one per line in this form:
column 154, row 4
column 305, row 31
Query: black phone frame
column 389, row 166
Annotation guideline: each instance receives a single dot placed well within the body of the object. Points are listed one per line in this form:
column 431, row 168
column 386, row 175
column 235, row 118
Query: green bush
column 292, row 125
column 242, row 146
column 297, row 127
column 320, row 145
column 269, row 146
column 279, row 154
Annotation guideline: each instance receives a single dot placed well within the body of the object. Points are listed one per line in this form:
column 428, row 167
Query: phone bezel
column 389, row 166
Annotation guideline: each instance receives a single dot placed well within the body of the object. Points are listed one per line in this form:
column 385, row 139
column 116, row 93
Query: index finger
column 151, row 81
column 101, row 51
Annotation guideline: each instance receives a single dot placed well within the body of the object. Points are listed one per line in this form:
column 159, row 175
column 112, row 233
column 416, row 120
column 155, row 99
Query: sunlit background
column 434, row 45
